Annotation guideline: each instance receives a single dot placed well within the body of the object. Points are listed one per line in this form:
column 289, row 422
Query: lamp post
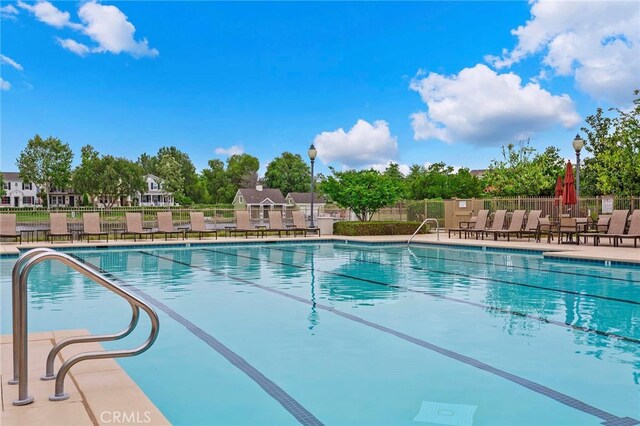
column 312, row 156
column 578, row 143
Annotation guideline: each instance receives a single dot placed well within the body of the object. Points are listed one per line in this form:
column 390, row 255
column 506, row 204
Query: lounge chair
column 134, row 226
column 479, row 225
column 243, row 225
column 165, row 226
column 515, row 227
column 633, row 232
column 616, row 227
column 275, row 224
column 91, row 226
column 300, row 224
column 531, row 226
column 496, row 225
column 58, row 227
column 8, row 227
column 198, row 226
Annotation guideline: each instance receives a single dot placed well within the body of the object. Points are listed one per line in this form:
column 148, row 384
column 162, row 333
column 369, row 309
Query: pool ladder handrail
column 20, row 274
column 422, row 224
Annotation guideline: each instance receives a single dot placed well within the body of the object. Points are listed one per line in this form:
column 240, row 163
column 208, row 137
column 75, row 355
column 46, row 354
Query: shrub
column 377, row 228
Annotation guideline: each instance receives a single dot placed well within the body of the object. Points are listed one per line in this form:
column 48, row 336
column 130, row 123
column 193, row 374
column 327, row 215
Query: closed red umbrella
column 558, row 194
column 569, row 193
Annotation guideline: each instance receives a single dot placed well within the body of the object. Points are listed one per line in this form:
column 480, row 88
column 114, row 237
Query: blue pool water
column 340, row 333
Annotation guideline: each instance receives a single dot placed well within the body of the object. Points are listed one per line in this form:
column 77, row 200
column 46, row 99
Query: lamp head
column 578, row 143
column 312, row 152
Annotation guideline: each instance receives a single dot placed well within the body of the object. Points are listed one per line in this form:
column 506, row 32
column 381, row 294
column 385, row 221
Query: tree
column 517, row 174
column 46, row 163
column 364, row 192
column 393, row 172
column 442, row 181
column 288, row 173
column 2, row 191
column 218, row 184
column 552, row 165
column 242, row 170
column 107, row 177
column 171, row 178
column 614, row 143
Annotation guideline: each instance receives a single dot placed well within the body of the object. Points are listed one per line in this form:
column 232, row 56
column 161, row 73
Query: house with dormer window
column 155, row 195
column 260, row 201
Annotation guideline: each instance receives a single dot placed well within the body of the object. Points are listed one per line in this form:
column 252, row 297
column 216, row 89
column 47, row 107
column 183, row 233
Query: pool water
column 335, row 333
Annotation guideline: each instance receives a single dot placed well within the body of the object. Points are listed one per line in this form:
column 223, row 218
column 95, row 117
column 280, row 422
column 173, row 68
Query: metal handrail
column 20, row 332
column 422, row 224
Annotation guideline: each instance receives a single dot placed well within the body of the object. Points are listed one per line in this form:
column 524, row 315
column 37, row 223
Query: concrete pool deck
column 604, row 252
column 100, row 390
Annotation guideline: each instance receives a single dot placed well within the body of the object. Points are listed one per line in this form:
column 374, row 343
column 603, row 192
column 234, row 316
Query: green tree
column 364, row 192
column 2, row 191
column 46, row 163
column 171, row 178
column 107, row 177
column 442, row 181
column 288, row 173
column 218, row 184
column 242, row 170
column 614, row 143
column 552, row 165
column 517, row 174
column 393, row 172
column 186, row 192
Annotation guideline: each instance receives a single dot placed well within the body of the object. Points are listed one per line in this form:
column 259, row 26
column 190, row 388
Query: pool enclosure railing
column 422, row 224
column 20, row 275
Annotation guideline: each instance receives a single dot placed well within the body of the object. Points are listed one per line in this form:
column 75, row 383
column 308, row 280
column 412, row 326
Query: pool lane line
column 497, row 280
column 443, row 297
column 276, row 392
column 609, row 419
column 579, row 274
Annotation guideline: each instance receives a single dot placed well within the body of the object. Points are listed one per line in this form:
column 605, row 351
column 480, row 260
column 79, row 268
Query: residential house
column 155, row 195
column 66, row 197
column 19, row 193
column 260, row 201
column 302, row 201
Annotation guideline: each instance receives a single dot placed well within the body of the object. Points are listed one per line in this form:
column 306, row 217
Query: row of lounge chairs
column 59, row 227
column 522, row 225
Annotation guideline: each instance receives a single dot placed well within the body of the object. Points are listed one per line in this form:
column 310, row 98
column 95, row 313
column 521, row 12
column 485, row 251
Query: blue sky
column 369, row 83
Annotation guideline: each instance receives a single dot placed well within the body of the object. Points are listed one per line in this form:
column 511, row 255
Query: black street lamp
column 578, row 143
column 312, row 156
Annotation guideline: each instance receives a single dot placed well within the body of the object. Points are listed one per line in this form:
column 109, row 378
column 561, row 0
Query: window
column 152, row 186
column 7, row 185
column 27, row 185
column 6, row 200
column 27, row 200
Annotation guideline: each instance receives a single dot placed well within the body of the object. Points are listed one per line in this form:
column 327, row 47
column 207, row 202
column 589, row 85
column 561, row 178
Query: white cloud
column 110, row 28
column 596, row 42
column 49, row 14
column 381, row 167
column 364, row 144
column 106, row 25
column 8, row 12
column 7, row 60
column 232, row 150
column 485, row 108
column 4, row 84
column 73, row 46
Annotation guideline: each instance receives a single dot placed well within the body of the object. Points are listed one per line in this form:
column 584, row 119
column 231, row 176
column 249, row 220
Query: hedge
column 377, row 228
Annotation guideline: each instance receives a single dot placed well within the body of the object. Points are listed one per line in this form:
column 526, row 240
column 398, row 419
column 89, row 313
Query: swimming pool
column 339, row 333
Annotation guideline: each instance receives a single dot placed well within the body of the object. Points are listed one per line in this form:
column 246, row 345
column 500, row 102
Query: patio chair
column 243, row 225
column 496, row 225
column 633, row 232
column 479, row 225
column 165, row 226
column 275, row 224
column 8, row 227
column 545, row 227
column 515, row 227
column 198, row 226
column 91, row 226
column 300, row 224
column 617, row 223
column 569, row 227
column 58, row 227
column 134, row 226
